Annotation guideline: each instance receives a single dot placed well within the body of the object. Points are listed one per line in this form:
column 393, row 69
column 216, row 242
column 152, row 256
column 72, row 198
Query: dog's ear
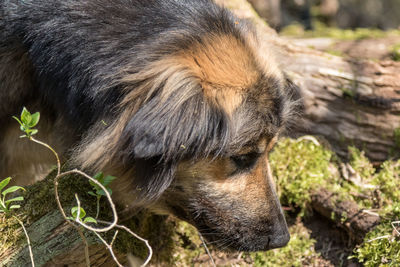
column 175, row 128
column 292, row 90
column 293, row 96
column 165, row 131
column 152, row 177
column 293, row 106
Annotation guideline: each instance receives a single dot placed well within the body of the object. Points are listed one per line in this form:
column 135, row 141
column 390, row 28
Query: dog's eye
column 245, row 161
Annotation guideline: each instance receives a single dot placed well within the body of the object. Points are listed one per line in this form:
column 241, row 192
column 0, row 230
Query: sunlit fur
column 164, row 94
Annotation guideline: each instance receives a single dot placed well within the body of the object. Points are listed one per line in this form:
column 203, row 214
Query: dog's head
column 193, row 137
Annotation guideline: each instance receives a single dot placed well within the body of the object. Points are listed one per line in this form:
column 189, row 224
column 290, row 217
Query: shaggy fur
column 172, row 97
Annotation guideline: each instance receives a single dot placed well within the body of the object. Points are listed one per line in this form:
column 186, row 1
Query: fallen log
column 345, row 213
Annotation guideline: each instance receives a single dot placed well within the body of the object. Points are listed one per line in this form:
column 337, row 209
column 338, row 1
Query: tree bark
column 349, row 102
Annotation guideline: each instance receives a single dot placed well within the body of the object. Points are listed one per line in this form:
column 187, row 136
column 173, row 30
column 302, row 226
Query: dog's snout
column 280, row 236
column 279, row 241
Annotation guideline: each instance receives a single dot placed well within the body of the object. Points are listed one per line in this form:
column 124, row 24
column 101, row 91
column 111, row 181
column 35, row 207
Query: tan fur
column 225, row 69
column 264, row 52
column 222, row 66
column 213, row 178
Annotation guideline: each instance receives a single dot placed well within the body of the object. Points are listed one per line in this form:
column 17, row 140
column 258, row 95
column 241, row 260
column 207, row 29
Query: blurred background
column 380, row 14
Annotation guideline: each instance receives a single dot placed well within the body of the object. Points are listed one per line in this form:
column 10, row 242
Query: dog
column 177, row 99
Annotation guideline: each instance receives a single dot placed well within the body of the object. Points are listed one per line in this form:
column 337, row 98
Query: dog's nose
column 278, row 241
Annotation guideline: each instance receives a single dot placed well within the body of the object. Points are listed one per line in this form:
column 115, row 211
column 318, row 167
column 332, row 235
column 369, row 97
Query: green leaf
column 92, row 193
column 18, row 120
column 15, row 207
column 89, row 219
column 26, row 117
column 3, row 208
column 100, row 192
column 12, row 189
column 34, row 120
column 20, row 198
column 74, row 212
column 4, row 182
column 98, row 176
column 34, row 131
column 108, row 180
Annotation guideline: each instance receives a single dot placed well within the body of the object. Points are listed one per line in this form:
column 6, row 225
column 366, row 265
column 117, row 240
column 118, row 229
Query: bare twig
column 27, row 239
column 52, row 150
column 309, row 138
column 123, row 227
column 395, row 228
column 379, row 237
column 109, row 247
column 114, row 237
column 208, row 252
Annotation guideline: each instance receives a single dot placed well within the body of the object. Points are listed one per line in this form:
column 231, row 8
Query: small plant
column 27, row 122
column 98, row 191
column 81, row 215
column 6, row 206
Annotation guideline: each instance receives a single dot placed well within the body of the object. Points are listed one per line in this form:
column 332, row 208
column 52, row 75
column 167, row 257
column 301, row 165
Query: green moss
column 299, row 251
column 334, row 52
column 302, row 166
column 387, row 181
column 395, row 52
column 361, row 163
column 381, row 246
column 347, row 92
column 11, row 233
column 40, row 197
column 299, row 167
column 188, row 245
column 321, row 30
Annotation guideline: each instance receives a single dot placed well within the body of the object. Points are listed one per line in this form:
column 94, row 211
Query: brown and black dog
column 175, row 98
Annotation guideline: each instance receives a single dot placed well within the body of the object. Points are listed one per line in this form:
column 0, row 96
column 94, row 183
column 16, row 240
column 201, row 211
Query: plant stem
column 28, row 240
column 52, row 150
column 97, row 207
